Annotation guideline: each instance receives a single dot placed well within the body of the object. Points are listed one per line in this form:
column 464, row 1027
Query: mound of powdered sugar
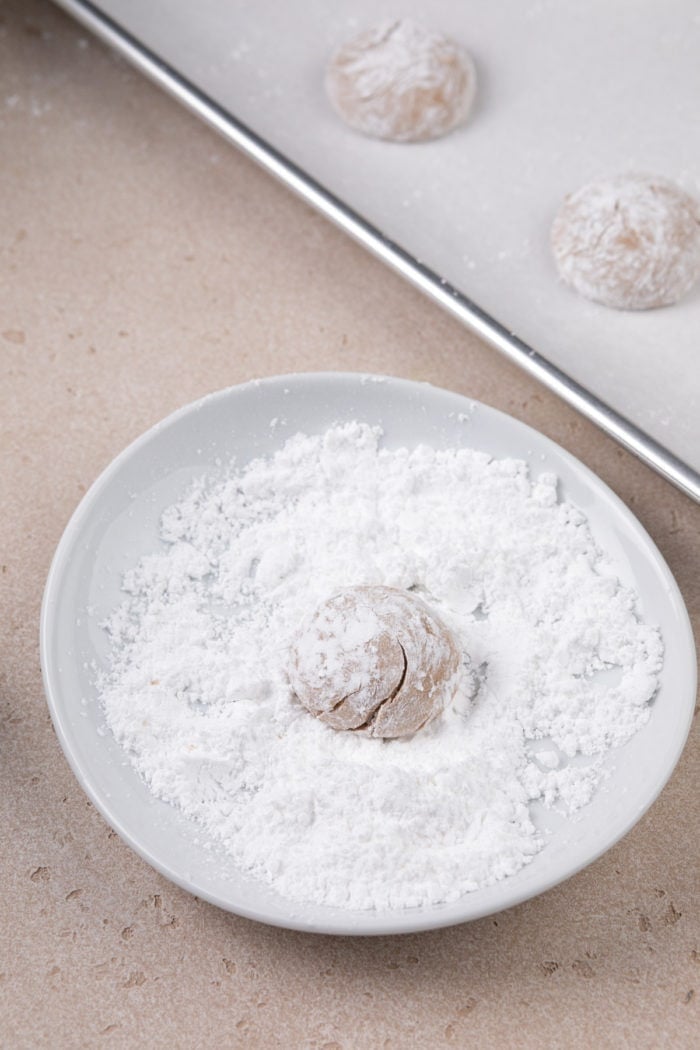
column 558, row 664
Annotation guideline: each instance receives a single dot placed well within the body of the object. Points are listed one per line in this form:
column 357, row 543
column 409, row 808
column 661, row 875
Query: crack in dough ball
column 401, row 82
column 377, row 659
column 631, row 242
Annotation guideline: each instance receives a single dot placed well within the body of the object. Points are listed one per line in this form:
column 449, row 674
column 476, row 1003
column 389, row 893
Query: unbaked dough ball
column 402, row 82
column 632, row 242
column 377, row 659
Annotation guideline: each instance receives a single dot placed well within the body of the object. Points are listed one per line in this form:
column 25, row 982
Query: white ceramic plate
column 117, row 522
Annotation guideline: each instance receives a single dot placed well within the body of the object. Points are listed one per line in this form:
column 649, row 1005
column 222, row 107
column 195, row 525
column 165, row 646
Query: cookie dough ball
column 631, row 242
column 377, row 659
column 401, row 82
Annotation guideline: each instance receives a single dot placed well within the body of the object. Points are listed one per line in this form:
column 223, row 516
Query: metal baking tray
column 568, row 91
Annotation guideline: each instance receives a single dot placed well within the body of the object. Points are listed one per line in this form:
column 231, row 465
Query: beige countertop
column 143, row 264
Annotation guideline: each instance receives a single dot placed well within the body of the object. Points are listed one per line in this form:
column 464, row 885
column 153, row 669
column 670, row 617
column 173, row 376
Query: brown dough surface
column 401, row 82
column 630, row 242
column 374, row 658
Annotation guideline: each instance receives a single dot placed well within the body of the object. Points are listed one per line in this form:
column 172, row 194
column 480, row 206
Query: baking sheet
column 568, row 91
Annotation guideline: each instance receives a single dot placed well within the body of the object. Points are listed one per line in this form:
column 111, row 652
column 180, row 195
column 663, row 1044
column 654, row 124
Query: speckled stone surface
column 144, row 263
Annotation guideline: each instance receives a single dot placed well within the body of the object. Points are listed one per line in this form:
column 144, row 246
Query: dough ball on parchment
column 376, row 659
column 401, row 82
column 631, row 242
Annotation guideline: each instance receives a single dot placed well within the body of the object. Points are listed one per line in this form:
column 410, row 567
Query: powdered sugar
column 559, row 665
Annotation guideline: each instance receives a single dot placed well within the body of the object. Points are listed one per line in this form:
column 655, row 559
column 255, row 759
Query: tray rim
column 458, row 304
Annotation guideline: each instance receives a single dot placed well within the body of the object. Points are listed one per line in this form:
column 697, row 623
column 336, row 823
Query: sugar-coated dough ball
column 376, row 659
column 401, row 82
column 632, row 242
